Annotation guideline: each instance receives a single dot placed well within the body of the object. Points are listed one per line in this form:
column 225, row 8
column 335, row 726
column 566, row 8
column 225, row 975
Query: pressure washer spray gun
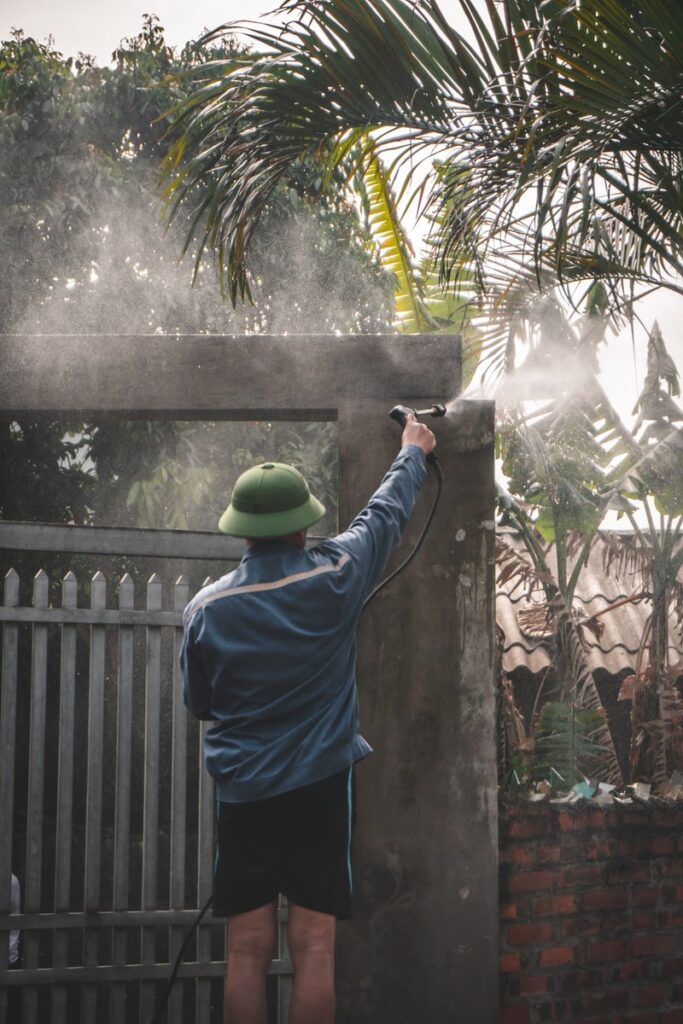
column 400, row 413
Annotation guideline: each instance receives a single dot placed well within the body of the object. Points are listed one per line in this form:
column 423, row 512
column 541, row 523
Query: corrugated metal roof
column 617, row 647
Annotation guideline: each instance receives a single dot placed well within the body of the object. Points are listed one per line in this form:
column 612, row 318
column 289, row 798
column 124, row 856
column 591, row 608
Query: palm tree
column 568, row 463
column 654, row 555
column 558, row 127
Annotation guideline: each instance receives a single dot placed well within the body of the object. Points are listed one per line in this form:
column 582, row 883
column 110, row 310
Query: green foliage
column 657, row 466
column 84, row 250
column 42, row 472
column 564, row 741
column 569, row 462
column 558, row 127
column 187, row 483
column 558, row 467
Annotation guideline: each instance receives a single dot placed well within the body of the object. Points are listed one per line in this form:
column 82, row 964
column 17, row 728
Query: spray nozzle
column 400, row 413
column 437, row 410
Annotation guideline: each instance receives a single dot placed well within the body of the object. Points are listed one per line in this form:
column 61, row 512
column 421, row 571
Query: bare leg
column 250, row 943
column 311, row 944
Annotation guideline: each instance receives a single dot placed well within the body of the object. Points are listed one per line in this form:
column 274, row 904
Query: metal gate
column 100, row 768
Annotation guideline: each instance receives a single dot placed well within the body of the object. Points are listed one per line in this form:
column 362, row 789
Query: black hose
column 436, row 465
column 157, row 1018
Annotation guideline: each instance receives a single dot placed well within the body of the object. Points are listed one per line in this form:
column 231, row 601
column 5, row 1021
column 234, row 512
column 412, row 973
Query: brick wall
column 591, row 914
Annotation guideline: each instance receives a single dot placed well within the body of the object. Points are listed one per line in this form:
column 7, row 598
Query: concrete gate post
column 423, row 945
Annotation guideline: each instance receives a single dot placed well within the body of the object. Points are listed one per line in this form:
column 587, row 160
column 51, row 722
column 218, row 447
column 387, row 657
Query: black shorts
column 297, row 844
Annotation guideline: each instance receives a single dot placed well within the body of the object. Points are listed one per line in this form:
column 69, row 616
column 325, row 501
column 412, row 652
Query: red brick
column 568, row 982
column 594, row 978
column 654, row 845
column 649, row 995
column 557, row 956
column 614, row 950
column 672, row 968
column 647, row 897
column 547, row 853
column 661, row 845
column 640, row 1018
column 619, row 875
column 605, row 899
column 510, row 963
column 549, row 906
column 670, row 919
column 669, row 818
column 516, row 855
column 626, row 849
column 671, row 1017
column 530, row 881
column 618, row 1000
column 508, row 911
column 582, row 874
column 596, row 819
column 576, row 927
column 529, row 934
column 644, row 921
column 627, row 972
column 515, row 1015
column 652, row 945
column 634, row 816
column 573, row 822
column 599, row 849
column 573, row 849
column 525, row 829
column 613, row 926
column 670, row 868
column 533, row 985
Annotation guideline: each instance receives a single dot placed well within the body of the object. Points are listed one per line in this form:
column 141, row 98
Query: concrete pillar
column 423, row 945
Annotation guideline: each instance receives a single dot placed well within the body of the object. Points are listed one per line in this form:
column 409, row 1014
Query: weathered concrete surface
column 422, row 948
column 423, row 945
column 259, row 377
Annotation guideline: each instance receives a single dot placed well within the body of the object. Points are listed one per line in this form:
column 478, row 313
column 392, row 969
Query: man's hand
column 415, row 432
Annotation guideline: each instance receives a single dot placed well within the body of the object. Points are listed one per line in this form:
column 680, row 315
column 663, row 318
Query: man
column 269, row 657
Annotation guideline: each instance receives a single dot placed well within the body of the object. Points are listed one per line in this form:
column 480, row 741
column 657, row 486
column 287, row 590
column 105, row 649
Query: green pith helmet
column 270, row 500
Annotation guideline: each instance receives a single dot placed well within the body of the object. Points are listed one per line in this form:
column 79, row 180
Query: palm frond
column 330, row 70
column 395, row 251
column 559, row 127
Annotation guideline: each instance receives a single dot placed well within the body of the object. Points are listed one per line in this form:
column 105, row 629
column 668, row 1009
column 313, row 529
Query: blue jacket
column 269, row 653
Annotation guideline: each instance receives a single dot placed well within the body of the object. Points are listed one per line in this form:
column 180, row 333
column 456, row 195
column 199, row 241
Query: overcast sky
column 97, row 28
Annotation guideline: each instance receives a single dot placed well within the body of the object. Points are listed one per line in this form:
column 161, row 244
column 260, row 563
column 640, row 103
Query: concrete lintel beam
column 253, row 377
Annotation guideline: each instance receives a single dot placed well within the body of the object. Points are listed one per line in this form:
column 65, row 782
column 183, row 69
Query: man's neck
column 297, row 540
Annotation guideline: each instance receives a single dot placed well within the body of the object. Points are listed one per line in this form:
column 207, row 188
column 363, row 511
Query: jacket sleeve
column 376, row 531
column 197, row 690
